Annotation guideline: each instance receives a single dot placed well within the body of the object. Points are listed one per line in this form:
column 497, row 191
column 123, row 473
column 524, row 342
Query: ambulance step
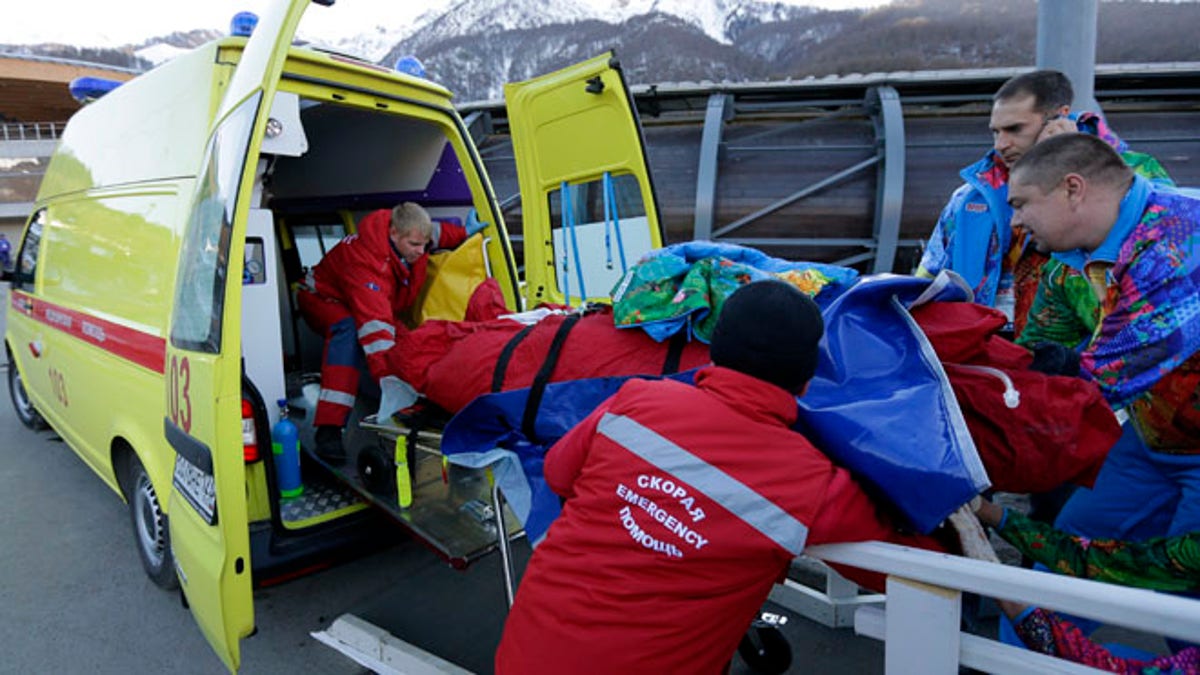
column 318, row 504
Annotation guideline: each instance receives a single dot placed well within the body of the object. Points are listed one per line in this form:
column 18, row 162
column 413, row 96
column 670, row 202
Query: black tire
column 765, row 650
column 151, row 534
column 28, row 414
column 377, row 470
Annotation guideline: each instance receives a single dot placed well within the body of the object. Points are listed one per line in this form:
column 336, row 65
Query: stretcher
column 457, row 512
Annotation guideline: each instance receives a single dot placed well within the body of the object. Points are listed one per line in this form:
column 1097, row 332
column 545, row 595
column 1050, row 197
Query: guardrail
column 920, row 618
column 31, row 131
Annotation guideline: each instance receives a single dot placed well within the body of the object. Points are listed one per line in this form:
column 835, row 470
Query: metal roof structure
column 850, row 169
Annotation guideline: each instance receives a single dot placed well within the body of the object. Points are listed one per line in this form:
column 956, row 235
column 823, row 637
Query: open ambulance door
column 208, row 521
column 587, row 202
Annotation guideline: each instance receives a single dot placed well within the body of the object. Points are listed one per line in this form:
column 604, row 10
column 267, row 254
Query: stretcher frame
column 457, row 512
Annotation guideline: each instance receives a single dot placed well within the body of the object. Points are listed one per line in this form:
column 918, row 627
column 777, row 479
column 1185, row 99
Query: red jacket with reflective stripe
column 654, row 565
column 365, row 272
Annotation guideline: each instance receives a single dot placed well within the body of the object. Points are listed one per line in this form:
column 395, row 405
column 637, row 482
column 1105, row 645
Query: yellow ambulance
column 152, row 319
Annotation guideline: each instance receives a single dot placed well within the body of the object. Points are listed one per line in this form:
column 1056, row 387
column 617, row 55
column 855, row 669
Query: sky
column 120, row 22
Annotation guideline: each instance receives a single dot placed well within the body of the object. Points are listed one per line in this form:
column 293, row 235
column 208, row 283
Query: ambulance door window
column 204, row 257
column 599, row 229
column 27, row 259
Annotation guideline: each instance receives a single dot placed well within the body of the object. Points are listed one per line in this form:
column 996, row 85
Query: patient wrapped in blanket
column 452, row 362
column 914, row 392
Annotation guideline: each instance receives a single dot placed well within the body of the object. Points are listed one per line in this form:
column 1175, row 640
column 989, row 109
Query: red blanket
column 452, row 362
column 1060, row 431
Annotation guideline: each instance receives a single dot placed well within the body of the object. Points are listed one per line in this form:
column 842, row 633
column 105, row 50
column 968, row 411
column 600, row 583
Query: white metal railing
column 31, row 131
column 920, row 622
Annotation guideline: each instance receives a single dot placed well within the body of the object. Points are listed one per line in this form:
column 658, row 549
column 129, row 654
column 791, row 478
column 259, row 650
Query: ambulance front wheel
column 150, row 531
column 28, row 414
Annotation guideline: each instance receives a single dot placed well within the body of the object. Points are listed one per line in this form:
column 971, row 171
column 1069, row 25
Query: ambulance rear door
column 587, row 201
column 208, row 520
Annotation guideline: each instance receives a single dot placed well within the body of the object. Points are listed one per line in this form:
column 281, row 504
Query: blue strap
column 611, row 215
column 569, row 223
column 566, row 269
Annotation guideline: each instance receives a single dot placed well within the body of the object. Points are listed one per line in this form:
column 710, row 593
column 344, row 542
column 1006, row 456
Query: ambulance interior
column 343, row 163
column 327, row 166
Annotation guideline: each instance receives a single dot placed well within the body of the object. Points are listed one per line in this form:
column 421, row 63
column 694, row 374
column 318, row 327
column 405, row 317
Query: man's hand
column 1057, row 125
column 1051, row 358
column 971, row 537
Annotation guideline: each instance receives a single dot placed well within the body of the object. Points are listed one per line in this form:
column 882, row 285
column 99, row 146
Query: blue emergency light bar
column 411, row 65
column 242, row 24
column 87, row 89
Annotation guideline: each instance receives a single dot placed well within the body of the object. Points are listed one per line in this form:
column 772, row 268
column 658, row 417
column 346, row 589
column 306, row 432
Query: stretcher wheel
column 765, row 650
column 377, row 470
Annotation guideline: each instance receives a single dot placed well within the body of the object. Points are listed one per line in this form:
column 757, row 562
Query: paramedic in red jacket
column 684, row 505
column 353, row 298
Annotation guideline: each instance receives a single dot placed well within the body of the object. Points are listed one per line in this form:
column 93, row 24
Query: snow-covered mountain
column 710, row 16
column 166, row 47
column 474, row 46
column 469, row 18
column 720, row 20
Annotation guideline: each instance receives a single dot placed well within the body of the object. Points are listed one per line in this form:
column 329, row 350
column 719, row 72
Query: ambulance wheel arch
column 147, row 516
column 26, row 412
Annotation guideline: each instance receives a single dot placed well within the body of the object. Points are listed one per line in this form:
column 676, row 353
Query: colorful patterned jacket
column 1145, row 352
column 1064, row 309
column 1160, row 563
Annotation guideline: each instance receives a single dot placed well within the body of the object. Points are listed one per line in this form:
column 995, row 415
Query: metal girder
column 799, row 194
column 479, row 125
column 884, row 105
column 720, row 110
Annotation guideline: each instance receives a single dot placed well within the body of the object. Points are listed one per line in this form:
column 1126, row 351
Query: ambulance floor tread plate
column 450, row 510
column 319, row 503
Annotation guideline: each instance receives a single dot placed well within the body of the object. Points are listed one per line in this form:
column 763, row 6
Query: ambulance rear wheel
column 28, row 414
column 766, row 650
column 150, row 531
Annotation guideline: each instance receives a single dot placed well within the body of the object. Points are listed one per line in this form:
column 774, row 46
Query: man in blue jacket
column 973, row 235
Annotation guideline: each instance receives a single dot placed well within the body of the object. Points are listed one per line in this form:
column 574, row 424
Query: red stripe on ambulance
column 144, row 349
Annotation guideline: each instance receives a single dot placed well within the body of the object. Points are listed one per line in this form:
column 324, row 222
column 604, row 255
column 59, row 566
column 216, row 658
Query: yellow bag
column 451, row 278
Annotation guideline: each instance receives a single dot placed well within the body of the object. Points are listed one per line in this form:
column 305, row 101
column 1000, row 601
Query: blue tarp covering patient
column 880, row 403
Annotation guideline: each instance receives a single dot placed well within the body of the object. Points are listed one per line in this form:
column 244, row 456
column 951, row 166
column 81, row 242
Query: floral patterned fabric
column 1048, row 633
column 1161, row 563
column 1065, row 310
column 683, row 287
